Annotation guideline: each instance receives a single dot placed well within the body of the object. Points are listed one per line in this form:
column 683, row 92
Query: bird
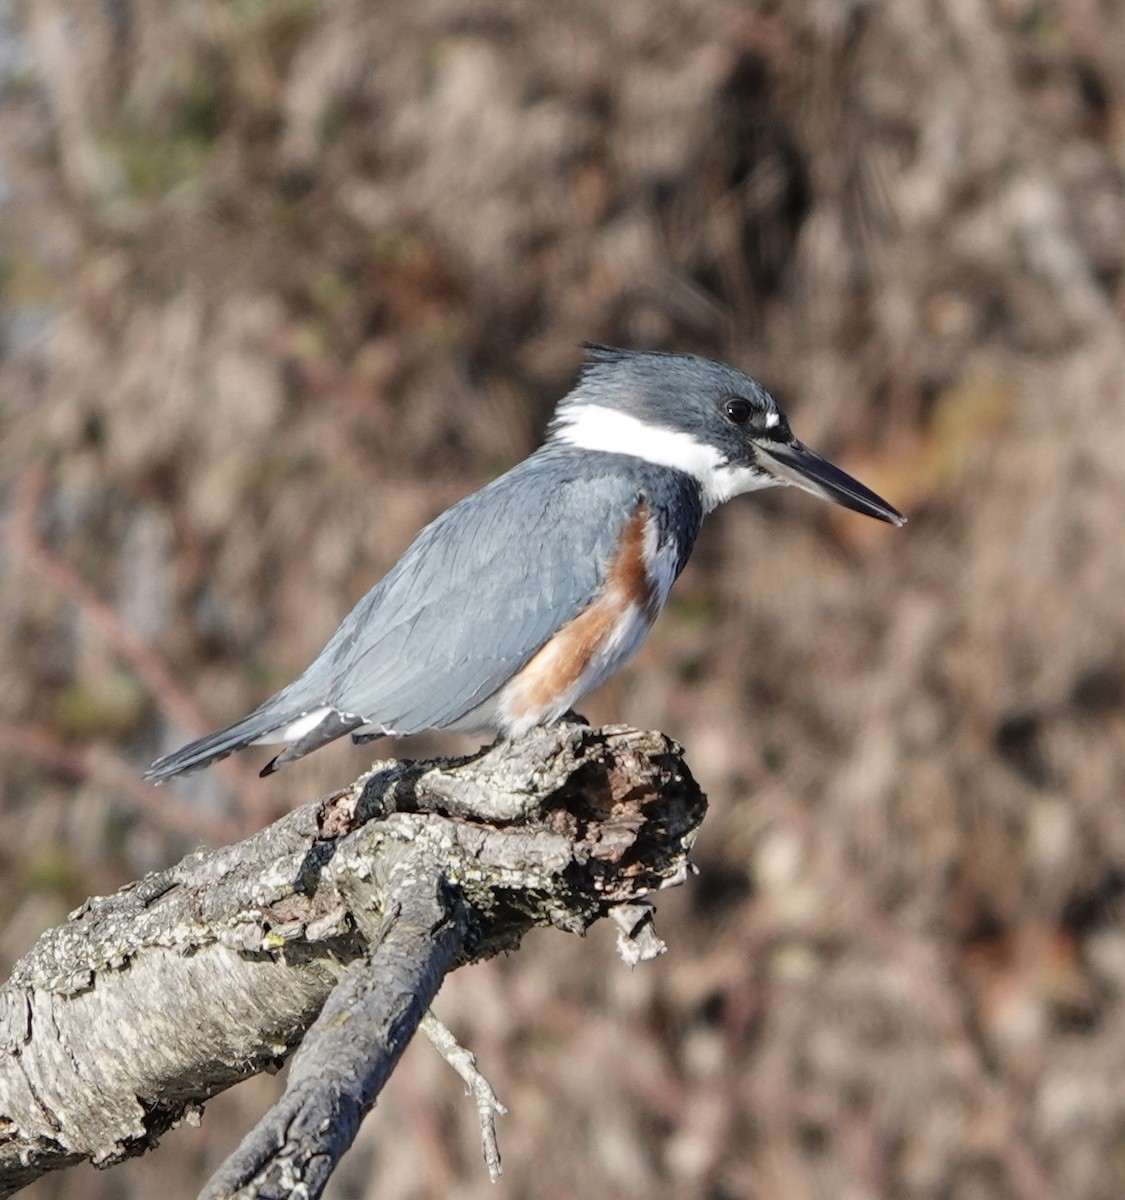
column 523, row 597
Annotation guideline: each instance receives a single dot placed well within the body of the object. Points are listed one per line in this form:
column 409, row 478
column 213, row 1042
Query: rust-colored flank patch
column 562, row 661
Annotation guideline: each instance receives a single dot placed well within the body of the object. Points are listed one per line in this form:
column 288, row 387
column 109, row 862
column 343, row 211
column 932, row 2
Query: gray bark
column 119, row 1024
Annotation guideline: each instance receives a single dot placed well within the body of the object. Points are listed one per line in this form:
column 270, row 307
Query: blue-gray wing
column 479, row 592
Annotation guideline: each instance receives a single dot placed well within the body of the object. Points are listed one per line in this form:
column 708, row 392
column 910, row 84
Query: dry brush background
column 281, row 280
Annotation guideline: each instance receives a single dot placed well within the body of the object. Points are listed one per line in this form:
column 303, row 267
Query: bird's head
column 705, row 419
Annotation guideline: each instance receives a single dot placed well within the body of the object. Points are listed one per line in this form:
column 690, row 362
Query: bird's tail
column 303, row 730
column 215, row 746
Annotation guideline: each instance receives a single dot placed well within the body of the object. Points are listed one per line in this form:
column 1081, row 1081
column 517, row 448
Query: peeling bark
column 119, row 1024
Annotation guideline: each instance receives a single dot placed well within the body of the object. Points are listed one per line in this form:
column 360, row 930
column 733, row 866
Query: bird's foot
column 570, row 717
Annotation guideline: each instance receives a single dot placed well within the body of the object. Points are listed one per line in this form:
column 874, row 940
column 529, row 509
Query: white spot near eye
column 771, row 420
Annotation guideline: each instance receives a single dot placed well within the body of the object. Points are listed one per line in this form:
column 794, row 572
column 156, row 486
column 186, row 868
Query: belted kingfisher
column 523, row 597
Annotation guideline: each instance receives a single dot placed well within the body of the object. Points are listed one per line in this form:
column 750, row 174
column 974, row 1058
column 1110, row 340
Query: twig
column 465, row 1064
column 23, row 536
column 113, row 773
column 935, row 995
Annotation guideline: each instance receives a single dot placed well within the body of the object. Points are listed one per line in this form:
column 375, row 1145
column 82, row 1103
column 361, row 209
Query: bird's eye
column 738, row 410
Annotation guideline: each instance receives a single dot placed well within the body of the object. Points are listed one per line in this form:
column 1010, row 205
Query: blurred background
column 280, row 280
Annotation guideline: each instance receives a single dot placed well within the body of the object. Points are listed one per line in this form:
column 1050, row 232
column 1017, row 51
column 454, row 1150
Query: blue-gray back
column 487, row 583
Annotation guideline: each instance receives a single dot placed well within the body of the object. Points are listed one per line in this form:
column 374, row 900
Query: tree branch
column 119, row 1024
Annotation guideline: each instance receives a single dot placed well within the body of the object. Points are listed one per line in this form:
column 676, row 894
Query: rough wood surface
column 119, row 1024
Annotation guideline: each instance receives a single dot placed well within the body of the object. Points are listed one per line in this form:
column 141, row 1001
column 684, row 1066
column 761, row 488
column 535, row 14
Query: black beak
column 791, row 462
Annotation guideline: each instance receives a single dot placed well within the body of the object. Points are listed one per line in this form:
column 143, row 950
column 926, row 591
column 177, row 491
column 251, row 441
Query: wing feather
column 480, row 591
